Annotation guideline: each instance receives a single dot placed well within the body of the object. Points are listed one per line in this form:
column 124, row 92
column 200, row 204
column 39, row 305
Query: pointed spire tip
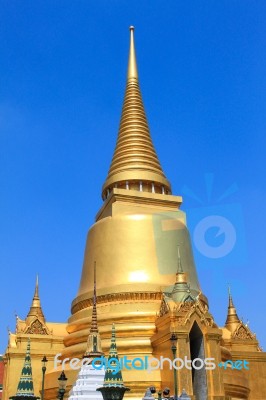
column 36, row 293
column 232, row 318
column 35, row 309
column 231, row 304
column 132, row 63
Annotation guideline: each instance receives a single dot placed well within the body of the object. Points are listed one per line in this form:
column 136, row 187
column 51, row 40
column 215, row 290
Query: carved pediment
column 37, row 328
column 185, row 307
column 186, row 310
column 243, row 332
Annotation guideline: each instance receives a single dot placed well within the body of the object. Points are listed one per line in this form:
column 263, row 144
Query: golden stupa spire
column 36, row 309
column 232, row 320
column 135, row 165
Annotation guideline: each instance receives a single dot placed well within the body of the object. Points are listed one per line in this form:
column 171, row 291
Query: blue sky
column 62, row 70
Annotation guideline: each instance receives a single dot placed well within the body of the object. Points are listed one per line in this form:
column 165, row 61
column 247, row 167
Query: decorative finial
column 181, row 289
column 94, row 324
column 94, row 348
column 113, row 339
column 180, row 275
column 179, row 263
column 35, row 309
column 36, row 293
column 132, row 63
column 232, row 319
column 231, row 304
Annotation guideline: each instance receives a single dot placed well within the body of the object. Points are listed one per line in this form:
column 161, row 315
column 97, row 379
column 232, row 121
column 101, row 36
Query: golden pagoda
column 147, row 285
